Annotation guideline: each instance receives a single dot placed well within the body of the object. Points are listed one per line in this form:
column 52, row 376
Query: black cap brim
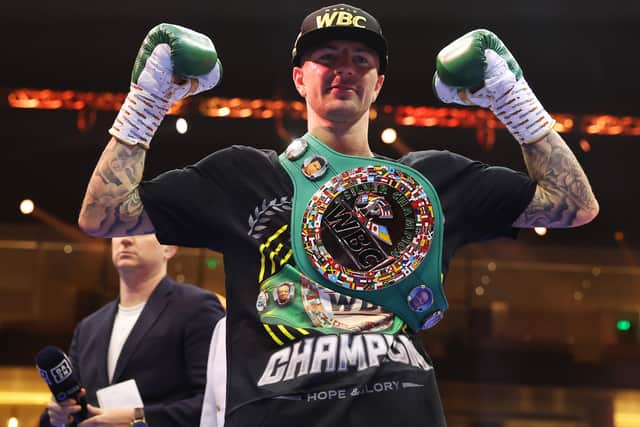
column 319, row 36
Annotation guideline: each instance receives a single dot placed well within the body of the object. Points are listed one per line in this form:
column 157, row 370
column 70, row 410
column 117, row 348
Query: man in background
column 157, row 333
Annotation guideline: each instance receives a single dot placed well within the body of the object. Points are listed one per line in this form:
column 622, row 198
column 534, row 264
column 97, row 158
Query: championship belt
column 368, row 228
column 292, row 300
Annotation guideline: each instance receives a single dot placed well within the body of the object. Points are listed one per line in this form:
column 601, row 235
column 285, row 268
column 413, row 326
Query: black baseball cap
column 340, row 22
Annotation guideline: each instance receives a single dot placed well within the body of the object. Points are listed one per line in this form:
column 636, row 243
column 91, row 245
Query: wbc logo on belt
column 368, row 228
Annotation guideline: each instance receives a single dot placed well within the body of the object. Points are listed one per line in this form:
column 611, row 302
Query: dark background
column 580, row 57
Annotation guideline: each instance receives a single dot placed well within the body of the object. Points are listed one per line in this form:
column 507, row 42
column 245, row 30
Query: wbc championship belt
column 369, row 228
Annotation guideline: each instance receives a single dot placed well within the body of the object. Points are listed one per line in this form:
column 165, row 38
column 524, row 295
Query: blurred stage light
column 540, row 231
column 12, row 422
column 182, row 126
column 27, row 206
column 389, row 136
column 427, row 116
column 623, row 325
column 584, row 145
column 212, row 263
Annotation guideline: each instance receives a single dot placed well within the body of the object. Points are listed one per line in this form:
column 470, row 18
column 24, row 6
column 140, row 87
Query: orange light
column 618, row 236
column 584, row 145
column 615, row 130
column 427, row 116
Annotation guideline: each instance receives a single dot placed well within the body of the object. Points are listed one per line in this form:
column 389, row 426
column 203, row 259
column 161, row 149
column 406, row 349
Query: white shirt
column 215, row 394
column 126, row 317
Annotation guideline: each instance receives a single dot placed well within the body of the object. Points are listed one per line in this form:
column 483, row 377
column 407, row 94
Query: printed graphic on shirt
column 269, row 224
column 339, row 353
column 357, row 390
column 368, row 228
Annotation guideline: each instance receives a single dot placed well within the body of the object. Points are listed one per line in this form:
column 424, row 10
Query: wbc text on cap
column 340, row 21
column 340, row 18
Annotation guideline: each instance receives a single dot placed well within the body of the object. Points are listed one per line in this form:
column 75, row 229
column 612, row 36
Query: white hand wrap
column 449, row 94
column 149, row 100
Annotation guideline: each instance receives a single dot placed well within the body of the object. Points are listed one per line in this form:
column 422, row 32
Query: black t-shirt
column 238, row 201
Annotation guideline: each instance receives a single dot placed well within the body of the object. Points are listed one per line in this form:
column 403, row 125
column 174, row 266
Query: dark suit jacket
column 165, row 353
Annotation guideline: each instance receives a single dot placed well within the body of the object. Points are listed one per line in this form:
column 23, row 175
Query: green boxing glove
column 172, row 63
column 478, row 69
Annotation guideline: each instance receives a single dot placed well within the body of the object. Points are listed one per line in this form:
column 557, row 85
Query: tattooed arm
column 563, row 197
column 112, row 205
